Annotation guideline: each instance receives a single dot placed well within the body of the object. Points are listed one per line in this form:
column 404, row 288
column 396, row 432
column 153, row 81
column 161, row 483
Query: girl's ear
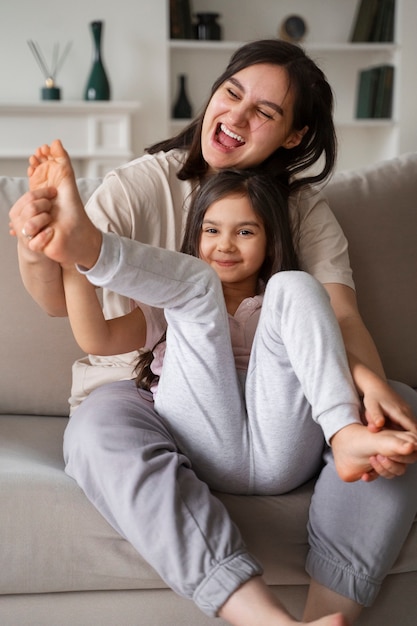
column 295, row 138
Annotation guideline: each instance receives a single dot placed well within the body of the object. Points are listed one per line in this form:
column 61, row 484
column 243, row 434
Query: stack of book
column 375, row 92
column 374, row 21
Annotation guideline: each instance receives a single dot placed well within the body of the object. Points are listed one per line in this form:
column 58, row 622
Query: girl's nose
column 225, row 244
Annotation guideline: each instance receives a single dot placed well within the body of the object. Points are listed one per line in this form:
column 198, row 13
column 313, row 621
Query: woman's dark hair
column 313, row 107
column 269, row 203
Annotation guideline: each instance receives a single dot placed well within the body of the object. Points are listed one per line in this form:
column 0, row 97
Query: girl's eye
column 211, row 231
column 245, row 232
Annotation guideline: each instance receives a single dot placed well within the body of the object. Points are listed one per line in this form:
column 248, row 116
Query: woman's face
column 248, row 118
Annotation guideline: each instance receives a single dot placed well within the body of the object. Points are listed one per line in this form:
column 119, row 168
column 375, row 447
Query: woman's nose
column 238, row 114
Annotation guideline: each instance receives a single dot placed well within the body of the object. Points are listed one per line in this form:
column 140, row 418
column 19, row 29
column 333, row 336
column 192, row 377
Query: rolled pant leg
column 356, row 530
column 122, row 456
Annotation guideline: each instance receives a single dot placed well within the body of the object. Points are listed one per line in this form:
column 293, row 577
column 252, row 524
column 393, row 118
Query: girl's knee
column 296, row 284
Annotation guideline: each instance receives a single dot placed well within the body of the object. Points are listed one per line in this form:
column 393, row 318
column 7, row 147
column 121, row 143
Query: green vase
column 98, row 86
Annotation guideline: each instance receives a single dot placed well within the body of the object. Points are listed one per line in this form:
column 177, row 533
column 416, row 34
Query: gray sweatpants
column 134, row 464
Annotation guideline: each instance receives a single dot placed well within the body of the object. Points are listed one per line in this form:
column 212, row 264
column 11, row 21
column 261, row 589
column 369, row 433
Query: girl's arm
column 93, row 333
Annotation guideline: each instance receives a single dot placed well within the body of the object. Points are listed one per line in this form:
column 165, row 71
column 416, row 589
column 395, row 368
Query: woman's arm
column 381, row 402
column 93, row 333
column 41, row 276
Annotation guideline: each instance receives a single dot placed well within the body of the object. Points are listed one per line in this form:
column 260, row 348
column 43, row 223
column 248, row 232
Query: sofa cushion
column 37, row 350
column 54, row 540
column 377, row 209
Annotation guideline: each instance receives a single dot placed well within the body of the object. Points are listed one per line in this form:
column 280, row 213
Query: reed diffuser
column 50, row 91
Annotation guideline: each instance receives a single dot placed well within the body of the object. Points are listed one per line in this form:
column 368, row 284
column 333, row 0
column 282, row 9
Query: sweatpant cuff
column 342, row 579
column 225, row 578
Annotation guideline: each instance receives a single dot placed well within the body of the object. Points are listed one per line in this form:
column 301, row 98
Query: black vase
column 207, row 27
column 98, row 86
column 182, row 107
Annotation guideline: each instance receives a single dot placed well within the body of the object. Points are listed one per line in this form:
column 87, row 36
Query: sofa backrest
column 36, row 351
column 377, row 209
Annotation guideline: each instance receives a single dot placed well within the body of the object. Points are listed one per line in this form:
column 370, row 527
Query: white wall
column 408, row 76
column 134, row 53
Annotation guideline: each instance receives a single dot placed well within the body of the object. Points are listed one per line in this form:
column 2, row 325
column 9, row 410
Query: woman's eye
column 232, row 93
column 265, row 114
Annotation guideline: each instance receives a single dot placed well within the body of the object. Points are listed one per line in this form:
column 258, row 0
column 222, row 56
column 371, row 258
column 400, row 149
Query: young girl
column 271, row 421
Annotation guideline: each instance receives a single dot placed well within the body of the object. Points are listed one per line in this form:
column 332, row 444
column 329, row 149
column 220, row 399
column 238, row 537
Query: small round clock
column 293, row 28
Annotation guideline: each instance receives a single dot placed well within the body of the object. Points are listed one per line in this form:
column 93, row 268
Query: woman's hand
column 29, row 217
column 384, row 408
column 31, row 214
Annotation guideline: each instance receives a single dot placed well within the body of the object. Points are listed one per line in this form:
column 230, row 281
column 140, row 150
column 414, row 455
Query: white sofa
column 62, row 564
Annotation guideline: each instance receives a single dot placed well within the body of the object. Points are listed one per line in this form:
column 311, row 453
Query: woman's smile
column 228, row 138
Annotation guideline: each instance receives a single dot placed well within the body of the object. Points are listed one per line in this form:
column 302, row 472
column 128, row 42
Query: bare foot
column 70, row 237
column 50, row 166
column 254, row 604
column 354, row 445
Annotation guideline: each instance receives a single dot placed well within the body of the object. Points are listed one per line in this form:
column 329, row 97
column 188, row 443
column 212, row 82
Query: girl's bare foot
column 50, row 166
column 354, row 445
column 69, row 236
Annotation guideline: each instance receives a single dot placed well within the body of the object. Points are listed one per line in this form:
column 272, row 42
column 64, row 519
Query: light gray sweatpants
column 202, row 555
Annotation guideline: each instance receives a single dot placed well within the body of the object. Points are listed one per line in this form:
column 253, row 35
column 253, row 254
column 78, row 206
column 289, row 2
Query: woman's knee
column 114, row 416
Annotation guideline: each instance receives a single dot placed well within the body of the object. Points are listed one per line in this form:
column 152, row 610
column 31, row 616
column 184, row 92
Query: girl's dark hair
column 269, row 202
column 313, row 107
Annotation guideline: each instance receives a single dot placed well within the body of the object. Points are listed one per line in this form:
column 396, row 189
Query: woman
column 272, row 109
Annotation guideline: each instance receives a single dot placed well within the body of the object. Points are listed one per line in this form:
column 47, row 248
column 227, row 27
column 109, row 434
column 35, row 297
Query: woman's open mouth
column 227, row 138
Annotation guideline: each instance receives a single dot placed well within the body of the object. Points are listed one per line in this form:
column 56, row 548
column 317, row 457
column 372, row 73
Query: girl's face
column 233, row 241
column 248, row 118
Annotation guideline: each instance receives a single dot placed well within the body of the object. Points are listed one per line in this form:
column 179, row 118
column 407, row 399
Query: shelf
column 65, row 107
column 98, row 134
column 367, row 123
column 226, row 46
column 195, row 44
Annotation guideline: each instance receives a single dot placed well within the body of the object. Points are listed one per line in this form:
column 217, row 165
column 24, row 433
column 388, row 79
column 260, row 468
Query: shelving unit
column 327, row 42
column 98, row 135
